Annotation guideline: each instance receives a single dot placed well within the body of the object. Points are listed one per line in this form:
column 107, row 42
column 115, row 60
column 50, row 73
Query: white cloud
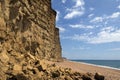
column 82, row 26
column 63, row 1
column 108, row 29
column 105, row 18
column 79, row 37
column 115, row 15
column 118, row 7
column 62, row 29
column 90, row 15
column 76, row 10
column 79, row 3
column 106, row 37
column 92, row 9
column 58, row 16
column 97, row 19
column 80, row 48
column 73, row 13
column 110, row 34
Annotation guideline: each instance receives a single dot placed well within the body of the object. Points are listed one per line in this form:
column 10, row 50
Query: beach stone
column 98, row 76
column 40, row 68
column 17, row 77
column 55, row 74
column 77, row 74
column 53, row 65
column 4, row 57
column 68, row 78
column 37, row 62
column 86, row 77
column 17, row 67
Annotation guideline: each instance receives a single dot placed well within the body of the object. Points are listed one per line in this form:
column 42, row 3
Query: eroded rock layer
column 27, row 34
column 28, row 26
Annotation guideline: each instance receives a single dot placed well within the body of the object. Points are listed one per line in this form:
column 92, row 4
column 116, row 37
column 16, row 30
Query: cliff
column 28, row 27
column 27, row 35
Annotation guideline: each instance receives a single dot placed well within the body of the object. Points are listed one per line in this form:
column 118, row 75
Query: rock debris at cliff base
column 34, row 69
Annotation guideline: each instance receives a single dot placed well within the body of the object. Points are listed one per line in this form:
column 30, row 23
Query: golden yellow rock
column 17, row 67
column 29, row 26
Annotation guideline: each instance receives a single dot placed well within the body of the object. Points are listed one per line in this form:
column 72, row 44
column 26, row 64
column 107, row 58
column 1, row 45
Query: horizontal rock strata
column 27, row 31
column 28, row 26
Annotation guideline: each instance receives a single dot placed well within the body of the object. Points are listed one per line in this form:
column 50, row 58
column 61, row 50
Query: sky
column 89, row 29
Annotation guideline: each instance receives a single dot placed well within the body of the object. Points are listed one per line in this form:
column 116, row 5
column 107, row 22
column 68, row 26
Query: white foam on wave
column 108, row 67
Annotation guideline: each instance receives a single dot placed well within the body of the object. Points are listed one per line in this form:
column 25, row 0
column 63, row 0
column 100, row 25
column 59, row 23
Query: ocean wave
column 100, row 66
column 108, row 67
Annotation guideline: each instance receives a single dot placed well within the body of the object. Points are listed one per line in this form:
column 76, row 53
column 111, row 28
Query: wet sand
column 110, row 74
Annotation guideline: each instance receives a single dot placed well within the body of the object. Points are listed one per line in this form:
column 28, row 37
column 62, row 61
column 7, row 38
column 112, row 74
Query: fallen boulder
column 98, row 76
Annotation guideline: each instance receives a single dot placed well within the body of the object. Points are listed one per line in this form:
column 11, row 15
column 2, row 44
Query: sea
column 114, row 64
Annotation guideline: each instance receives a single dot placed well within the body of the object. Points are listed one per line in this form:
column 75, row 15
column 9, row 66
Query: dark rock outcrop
column 98, row 76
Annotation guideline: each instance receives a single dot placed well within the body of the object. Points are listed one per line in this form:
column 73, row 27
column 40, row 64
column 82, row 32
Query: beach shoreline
column 96, row 65
column 109, row 72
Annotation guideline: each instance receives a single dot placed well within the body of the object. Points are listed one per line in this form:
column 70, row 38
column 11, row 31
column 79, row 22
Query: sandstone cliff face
column 28, row 27
column 27, row 34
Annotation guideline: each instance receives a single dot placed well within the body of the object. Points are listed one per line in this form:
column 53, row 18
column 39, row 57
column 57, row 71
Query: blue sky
column 89, row 29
